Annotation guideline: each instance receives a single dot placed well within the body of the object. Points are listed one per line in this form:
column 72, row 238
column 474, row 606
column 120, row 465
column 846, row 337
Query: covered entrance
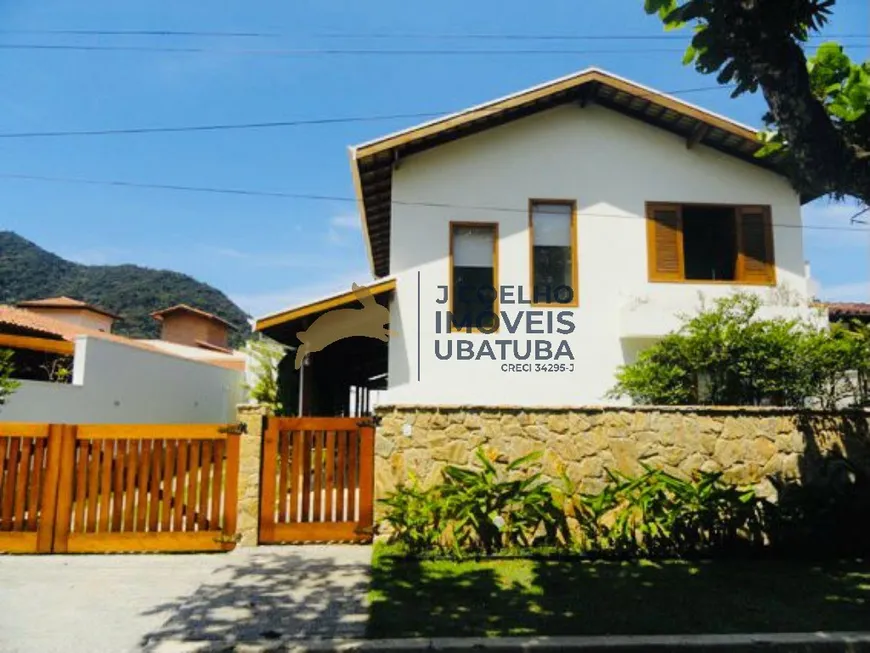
column 317, row 479
column 338, row 380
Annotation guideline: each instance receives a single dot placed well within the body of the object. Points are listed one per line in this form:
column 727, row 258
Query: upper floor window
column 553, row 226
column 474, row 274
column 710, row 243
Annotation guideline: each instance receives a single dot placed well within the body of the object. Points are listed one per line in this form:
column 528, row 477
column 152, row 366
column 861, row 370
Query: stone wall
column 749, row 445
column 250, row 449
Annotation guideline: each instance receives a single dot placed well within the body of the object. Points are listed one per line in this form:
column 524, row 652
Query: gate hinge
column 228, row 539
column 374, row 420
column 234, row 429
column 364, row 530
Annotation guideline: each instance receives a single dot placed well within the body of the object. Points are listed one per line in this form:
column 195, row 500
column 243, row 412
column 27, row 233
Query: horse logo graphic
column 369, row 322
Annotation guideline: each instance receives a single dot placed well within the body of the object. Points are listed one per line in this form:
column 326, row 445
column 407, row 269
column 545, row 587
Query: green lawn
column 525, row 597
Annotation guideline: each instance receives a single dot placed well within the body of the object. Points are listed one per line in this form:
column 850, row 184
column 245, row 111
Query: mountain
column 29, row 272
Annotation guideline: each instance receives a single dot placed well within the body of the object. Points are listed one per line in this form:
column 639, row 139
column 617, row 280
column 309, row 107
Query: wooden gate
column 29, row 471
column 317, row 480
column 117, row 488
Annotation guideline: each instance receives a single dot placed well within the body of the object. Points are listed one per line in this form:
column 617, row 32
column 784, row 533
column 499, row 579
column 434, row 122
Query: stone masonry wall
column 749, row 445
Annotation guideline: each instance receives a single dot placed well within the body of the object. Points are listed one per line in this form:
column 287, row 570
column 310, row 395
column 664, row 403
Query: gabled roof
column 65, row 302
column 184, row 308
column 372, row 162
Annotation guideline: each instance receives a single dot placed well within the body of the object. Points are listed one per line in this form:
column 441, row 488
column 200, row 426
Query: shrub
column 657, row 514
column 477, row 511
column 8, row 385
column 726, row 355
column 489, row 511
column 265, row 357
column 415, row 517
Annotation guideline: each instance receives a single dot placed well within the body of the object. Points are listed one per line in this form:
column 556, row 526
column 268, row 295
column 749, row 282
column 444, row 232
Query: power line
column 384, row 35
column 340, row 198
column 543, row 37
column 136, row 32
column 217, row 127
column 282, row 123
column 302, row 52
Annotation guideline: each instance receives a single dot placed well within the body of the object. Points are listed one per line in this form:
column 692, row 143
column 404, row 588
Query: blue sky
column 267, row 253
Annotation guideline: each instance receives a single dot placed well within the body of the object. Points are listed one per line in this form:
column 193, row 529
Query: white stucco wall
column 117, row 384
column 611, row 165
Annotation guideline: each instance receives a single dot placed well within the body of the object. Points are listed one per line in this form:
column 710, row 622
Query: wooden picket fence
column 317, row 481
column 117, row 488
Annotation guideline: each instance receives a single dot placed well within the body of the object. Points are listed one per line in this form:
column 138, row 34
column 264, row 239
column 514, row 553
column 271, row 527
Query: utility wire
column 383, row 35
column 542, row 37
column 302, row 52
column 287, row 123
column 136, row 32
column 341, row 198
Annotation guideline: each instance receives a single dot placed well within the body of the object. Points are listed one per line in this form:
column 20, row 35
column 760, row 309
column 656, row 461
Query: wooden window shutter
column 664, row 233
column 755, row 262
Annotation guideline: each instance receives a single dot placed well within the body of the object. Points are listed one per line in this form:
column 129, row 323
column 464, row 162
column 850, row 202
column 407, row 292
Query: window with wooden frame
column 474, row 276
column 553, row 241
column 709, row 243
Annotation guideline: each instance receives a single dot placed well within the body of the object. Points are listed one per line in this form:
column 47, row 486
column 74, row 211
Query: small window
column 474, row 298
column 709, row 243
column 554, row 261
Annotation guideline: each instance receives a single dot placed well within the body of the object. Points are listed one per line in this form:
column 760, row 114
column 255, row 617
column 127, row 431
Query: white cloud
column 97, row 256
column 346, row 221
column 260, row 304
column 858, row 291
column 344, row 228
column 257, row 259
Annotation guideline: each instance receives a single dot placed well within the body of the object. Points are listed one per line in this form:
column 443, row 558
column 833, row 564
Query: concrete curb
column 784, row 642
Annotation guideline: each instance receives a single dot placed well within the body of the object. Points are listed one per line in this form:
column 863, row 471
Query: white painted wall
column 117, row 384
column 611, row 165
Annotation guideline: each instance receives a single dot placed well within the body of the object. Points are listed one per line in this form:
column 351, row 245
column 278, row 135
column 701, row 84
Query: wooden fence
column 117, row 488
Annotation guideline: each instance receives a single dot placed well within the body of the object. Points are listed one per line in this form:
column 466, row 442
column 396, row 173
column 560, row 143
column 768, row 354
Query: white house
column 621, row 206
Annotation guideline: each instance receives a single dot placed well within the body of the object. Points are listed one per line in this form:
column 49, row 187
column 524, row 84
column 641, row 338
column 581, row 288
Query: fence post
column 250, row 455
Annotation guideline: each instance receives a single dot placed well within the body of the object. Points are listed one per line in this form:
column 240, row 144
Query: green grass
column 411, row 598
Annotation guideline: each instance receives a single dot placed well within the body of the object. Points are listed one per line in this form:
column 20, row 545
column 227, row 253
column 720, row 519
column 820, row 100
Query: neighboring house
column 72, row 311
column 848, row 312
column 622, row 205
column 74, row 370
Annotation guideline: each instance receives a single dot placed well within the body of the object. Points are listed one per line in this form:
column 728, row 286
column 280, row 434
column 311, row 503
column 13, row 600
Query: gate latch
column 234, row 429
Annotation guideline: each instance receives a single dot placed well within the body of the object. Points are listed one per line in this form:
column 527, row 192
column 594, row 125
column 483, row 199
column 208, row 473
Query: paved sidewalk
column 116, row 604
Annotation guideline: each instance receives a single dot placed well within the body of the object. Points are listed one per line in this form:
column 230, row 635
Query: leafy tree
column 8, row 385
column 818, row 108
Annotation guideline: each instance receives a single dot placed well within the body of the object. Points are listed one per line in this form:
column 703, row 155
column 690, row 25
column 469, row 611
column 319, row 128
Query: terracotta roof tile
column 847, row 309
column 63, row 302
column 158, row 315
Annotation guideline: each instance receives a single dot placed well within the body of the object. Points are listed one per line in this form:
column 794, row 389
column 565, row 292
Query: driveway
column 114, row 603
